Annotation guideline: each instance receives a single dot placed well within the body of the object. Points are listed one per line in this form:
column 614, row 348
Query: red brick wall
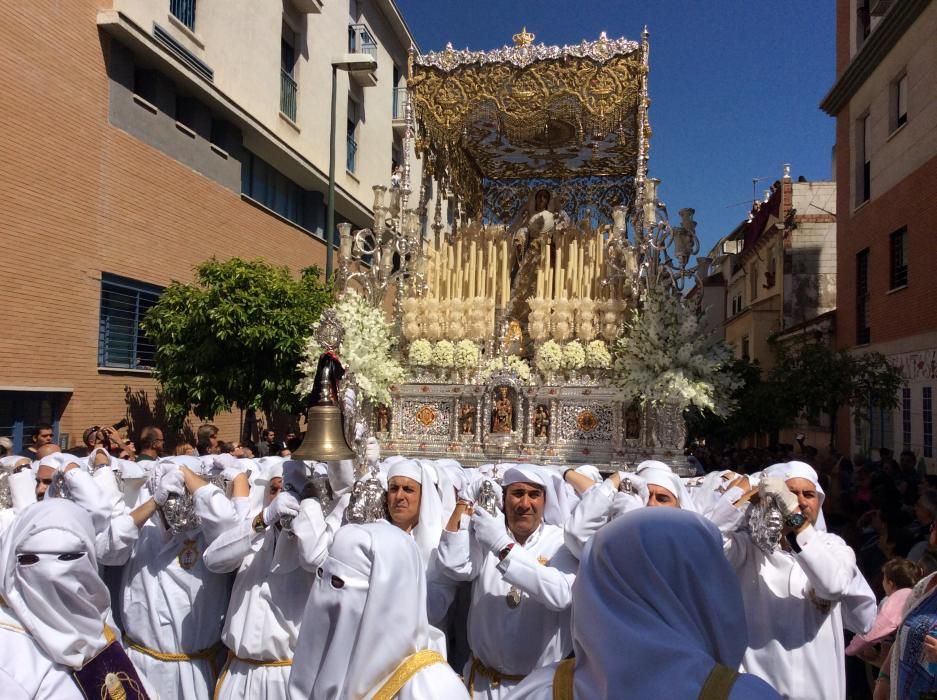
column 911, row 203
column 78, row 197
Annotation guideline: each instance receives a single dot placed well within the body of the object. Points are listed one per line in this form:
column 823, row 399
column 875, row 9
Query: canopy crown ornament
column 524, row 38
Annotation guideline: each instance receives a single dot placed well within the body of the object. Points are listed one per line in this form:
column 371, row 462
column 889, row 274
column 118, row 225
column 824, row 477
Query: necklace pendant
column 513, row 597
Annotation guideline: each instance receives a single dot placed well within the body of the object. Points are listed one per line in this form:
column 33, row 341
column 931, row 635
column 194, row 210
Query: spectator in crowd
column 267, row 438
column 150, row 443
column 42, row 435
column 207, row 439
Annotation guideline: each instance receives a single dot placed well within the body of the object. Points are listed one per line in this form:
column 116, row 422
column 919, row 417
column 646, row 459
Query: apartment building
column 775, row 278
column 141, row 137
column 781, row 266
column 885, row 104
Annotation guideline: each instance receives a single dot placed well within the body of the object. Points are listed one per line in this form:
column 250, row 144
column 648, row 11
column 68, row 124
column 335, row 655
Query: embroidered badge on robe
column 189, row 554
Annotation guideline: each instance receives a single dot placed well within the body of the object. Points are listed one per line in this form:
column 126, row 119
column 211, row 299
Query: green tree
column 759, row 408
column 233, row 337
column 813, row 378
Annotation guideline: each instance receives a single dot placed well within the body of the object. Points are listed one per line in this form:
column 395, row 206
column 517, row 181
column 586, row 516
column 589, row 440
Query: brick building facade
column 123, row 168
column 885, row 104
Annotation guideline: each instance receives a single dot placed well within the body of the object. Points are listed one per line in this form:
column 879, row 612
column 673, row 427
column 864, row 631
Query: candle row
column 477, row 265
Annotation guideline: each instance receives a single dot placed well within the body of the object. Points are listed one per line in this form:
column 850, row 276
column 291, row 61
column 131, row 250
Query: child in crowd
column 898, row 578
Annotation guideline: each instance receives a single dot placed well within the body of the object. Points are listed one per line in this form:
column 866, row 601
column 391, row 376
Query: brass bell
column 325, row 431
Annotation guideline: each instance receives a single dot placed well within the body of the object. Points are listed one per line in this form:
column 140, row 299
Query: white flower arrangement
column 518, row 364
column 597, row 355
column 365, row 350
column 443, row 354
column 421, row 352
column 667, row 357
column 465, row 355
column 549, row 357
column 574, row 356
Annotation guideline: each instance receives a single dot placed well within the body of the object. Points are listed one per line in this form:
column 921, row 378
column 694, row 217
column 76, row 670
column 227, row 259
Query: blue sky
column 735, row 84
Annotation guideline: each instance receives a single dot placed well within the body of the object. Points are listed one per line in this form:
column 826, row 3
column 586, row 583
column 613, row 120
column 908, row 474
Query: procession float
column 523, row 301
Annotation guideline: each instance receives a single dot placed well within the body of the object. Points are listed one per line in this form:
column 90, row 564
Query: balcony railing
column 184, row 11
column 287, row 95
column 361, row 41
column 351, row 157
column 400, row 102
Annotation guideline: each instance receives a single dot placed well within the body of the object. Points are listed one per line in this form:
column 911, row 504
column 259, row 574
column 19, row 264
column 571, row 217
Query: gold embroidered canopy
column 529, row 111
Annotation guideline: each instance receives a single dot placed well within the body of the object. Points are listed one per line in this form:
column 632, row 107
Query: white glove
column 776, row 487
column 372, row 452
column 634, row 484
column 171, row 482
column 490, row 532
column 284, row 505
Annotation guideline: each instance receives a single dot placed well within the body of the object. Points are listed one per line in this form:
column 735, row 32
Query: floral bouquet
column 597, row 355
column 443, row 354
column 574, row 355
column 421, row 353
column 665, row 354
column 518, row 364
column 549, row 357
column 465, row 355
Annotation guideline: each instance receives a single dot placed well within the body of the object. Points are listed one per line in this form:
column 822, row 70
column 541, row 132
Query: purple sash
column 113, row 659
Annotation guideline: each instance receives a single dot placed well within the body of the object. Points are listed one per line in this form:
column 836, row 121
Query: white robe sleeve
column 858, row 604
column 592, row 512
column 313, row 536
column 735, row 545
column 440, row 591
column 86, row 493
column 456, row 557
column 724, row 514
column 115, row 544
column 227, row 550
column 550, row 584
column 827, row 561
column 215, row 509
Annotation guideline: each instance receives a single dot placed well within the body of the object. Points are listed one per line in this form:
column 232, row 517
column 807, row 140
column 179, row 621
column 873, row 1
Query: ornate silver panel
column 426, row 418
column 586, row 422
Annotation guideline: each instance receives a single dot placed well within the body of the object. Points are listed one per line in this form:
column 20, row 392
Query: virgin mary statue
column 531, row 231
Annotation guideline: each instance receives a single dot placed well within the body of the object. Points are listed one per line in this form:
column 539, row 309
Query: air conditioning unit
column 877, row 8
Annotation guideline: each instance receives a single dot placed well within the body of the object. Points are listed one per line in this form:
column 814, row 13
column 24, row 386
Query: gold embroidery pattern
column 406, row 670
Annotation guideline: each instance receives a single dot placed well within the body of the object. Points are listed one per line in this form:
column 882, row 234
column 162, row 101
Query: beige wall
column 240, row 41
column 895, row 154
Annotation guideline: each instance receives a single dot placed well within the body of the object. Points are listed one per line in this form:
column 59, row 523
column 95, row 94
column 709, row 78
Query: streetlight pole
column 330, row 208
column 350, row 62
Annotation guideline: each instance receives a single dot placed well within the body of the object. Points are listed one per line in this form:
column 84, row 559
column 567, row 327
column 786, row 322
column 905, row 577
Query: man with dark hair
column 42, row 435
column 204, row 447
column 265, row 446
column 207, row 439
column 151, row 443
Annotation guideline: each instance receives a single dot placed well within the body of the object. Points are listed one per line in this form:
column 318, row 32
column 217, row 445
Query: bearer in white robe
column 274, row 574
column 643, row 628
column 364, row 631
column 420, row 500
column 654, row 485
column 172, row 605
column 56, row 629
column 523, row 576
column 793, row 594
